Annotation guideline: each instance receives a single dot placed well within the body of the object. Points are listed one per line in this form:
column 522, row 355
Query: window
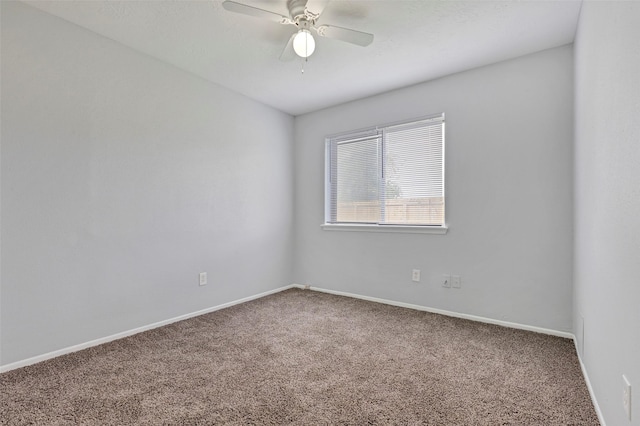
column 387, row 176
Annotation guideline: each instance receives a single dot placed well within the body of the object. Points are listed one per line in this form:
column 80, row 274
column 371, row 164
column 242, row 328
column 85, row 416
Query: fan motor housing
column 296, row 9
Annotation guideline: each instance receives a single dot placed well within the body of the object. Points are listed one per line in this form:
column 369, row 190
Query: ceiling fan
column 303, row 14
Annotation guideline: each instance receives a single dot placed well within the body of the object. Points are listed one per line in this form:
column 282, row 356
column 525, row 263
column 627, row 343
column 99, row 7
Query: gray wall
column 122, row 179
column 607, row 201
column 509, row 172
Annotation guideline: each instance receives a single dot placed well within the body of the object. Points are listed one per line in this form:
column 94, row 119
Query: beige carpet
column 308, row 358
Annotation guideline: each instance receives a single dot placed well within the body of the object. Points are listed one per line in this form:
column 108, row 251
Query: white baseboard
column 588, row 382
column 96, row 342
column 445, row 312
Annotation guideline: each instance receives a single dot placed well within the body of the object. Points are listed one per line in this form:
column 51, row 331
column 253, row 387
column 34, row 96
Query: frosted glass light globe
column 304, row 44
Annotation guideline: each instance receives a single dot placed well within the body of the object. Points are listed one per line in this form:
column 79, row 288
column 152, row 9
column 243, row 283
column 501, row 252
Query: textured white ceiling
column 415, row 41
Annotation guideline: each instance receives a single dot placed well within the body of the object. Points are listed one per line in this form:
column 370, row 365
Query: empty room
column 320, row 212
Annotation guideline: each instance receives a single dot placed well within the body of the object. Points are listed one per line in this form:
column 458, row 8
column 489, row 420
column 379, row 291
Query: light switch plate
column 446, row 280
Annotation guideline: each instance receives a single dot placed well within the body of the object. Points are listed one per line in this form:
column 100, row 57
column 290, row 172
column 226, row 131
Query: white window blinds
column 391, row 175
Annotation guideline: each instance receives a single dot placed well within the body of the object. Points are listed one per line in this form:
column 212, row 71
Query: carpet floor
column 308, row 358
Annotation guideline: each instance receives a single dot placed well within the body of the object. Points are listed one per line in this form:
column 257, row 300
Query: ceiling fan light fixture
column 304, row 44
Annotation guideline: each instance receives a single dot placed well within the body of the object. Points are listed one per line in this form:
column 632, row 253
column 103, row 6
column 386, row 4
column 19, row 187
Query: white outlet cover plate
column 626, row 396
column 456, row 281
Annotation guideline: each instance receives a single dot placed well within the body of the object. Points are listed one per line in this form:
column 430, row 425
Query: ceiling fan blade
column 345, row 34
column 288, row 53
column 233, row 6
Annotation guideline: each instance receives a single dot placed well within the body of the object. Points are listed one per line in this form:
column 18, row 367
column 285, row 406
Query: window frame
column 378, row 227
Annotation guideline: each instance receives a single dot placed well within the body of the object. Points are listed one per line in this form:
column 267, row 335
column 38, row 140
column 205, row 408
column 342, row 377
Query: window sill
column 404, row 229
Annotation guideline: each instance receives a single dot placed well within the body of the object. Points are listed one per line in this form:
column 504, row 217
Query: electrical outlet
column 626, row 396
column 203, row 278
column 416, row 275
column 446, row 280
column 456, row 281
